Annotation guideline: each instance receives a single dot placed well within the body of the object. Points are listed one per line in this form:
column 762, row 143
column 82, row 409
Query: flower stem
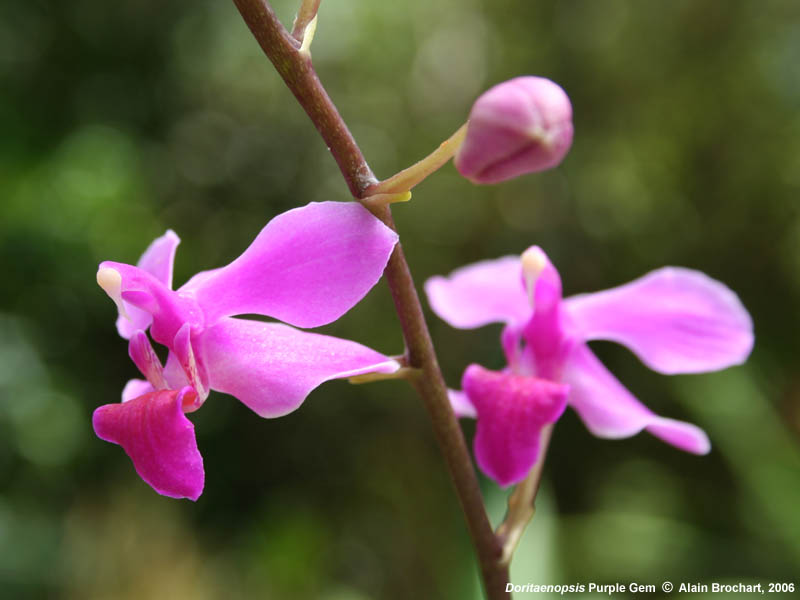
column 408, row 178
column 432, row 389
column 296, row 70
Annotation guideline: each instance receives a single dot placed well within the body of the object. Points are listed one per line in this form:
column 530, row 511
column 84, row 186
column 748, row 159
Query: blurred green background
column 122, row 119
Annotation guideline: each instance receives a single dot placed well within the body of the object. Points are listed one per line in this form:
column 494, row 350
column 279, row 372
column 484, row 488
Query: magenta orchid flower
column 307, row 267
column 675, row 320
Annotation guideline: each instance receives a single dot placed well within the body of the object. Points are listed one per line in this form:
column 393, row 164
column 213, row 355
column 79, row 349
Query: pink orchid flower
column 307, row 267
column 675, row 320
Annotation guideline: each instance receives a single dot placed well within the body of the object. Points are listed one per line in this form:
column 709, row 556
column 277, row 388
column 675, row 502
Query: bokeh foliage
column 121, row 119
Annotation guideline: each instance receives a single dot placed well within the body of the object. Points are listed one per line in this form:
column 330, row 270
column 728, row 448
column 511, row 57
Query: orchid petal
column 307, row 267
column 174, row 373
column 675, row 320
column 609, row 410
column 156, row 260
column 271, row 367
column 144, row 357
column 135, row 388
column 510, row 339
column 159, row 258
column 489, row 291
column 134, row 319
column 462, row 407
column 512, row 409
column 183, row 350
column 160, row 440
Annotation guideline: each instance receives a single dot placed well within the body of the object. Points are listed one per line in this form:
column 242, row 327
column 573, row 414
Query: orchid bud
column 520, row 126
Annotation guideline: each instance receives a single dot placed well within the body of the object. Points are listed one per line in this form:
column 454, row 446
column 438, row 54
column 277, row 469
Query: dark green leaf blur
column 121, row 119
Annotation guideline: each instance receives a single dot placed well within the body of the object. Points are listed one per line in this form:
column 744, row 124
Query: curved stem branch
column 298, row 73
column 408, row 178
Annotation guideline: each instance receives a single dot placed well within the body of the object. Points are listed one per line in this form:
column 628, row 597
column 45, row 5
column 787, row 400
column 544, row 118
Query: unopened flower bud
column 520, row 126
